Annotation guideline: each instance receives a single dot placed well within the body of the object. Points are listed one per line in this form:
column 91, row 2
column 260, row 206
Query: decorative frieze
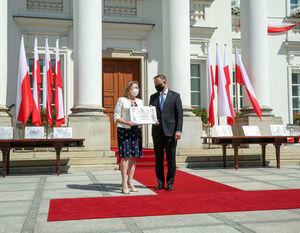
column 198, row 12
column 127, row 8
column 45, row 5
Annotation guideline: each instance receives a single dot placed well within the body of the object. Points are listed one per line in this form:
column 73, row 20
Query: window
column 235, row 3
column 195, row 85
column 294, row 4
column 43, row 76
column 237, row 91
column 296, row 92
column 45, row 5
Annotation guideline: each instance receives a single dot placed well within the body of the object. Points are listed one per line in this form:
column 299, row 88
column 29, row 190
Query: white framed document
column 251, row 130
column 279, row 130
column 34, row 133
column 143, row 115
column 6, row 132
column 62, row 132
column 222, row 131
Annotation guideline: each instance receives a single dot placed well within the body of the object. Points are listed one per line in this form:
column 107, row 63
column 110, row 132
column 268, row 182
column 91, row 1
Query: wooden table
column 58, row 144
column 277, row 141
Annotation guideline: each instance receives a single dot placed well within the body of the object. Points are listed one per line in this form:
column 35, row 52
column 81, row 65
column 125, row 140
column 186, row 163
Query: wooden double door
column 116, row 73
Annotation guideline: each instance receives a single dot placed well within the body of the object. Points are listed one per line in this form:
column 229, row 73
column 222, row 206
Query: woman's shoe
column 133, row 189
column 125, row 191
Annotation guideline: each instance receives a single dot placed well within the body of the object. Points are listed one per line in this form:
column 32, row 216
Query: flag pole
column 236, row 98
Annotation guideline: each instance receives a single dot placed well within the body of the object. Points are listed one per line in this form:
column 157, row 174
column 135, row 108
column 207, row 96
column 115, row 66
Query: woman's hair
column 128, row 86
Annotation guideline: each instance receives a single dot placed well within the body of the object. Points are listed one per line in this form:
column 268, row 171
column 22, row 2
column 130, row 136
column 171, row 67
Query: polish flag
column 243, row 79
column 223, row 104
column 210, row 90
column 49, row 85
column 36, row 76
column 59, row 104
column 24, row 96
column 230, row 120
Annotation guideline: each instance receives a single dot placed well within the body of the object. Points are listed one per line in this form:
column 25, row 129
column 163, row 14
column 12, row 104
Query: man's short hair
column 162, row 77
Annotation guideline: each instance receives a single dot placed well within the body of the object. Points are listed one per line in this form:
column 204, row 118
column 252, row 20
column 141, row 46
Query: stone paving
column 24, row 203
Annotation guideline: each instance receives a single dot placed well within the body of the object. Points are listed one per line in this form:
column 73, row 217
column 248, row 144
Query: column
column 255, row 48
column 88, row 54
column 176, row 47
column 88, row 119
column 254, row 44
column 4, row 117
column 176, row 66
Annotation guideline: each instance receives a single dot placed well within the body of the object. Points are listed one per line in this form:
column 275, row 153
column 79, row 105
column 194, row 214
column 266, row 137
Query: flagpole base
column 91, row 123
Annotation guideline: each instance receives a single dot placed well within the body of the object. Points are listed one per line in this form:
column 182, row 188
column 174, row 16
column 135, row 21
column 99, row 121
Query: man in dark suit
column 167, row 131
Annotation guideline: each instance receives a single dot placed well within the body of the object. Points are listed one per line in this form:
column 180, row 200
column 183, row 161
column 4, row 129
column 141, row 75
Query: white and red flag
column 36, row 76
column 223, row 104
column 210, row 90
column 230, row 120
column 49, row 85
column 24, row 96
column 277, row 27
column 243, row 79
column 59, row 104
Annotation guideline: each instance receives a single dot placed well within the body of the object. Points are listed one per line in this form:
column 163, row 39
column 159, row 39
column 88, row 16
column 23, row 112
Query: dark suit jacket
column 171, row 118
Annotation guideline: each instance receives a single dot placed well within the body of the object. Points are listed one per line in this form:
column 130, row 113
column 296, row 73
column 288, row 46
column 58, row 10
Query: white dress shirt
column 122, row 110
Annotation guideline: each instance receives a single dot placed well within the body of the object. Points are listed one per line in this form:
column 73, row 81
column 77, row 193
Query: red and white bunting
column 243, row 79
column 59, row 104
column 49, row 85
column 36, row 76
column 274, row 27
column 230, row 120
column 24, row 96
column 210, row 90
column 223, row 104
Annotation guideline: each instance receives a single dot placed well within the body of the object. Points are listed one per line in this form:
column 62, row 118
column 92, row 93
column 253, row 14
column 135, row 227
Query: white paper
column 62, row 132
column 222, row 131
column 279, row 130
column 251, row 130
column 143, row 115
column 6, row 132
column 34, row 133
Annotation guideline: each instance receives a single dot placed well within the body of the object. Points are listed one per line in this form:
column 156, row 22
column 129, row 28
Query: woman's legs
column 124, row 168
column 131, row 169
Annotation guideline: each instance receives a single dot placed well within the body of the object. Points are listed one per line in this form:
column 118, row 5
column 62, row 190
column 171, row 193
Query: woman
column 129, row 135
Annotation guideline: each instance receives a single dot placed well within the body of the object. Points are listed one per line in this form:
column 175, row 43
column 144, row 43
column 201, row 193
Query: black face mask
column 159, row 87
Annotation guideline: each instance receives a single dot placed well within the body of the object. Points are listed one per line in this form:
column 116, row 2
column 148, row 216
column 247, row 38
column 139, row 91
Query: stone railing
column 125, row 8
column 45, row 5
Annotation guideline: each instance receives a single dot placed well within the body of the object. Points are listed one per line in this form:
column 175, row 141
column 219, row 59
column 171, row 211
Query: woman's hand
column 130, row 123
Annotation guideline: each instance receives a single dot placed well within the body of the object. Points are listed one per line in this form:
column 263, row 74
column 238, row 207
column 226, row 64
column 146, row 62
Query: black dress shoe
column 170, row 187
column 159, row 187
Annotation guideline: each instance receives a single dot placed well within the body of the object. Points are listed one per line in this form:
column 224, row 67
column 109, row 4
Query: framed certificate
column 143, row 115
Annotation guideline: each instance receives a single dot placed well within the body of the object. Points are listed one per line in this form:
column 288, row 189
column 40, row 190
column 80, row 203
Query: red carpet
column 148, row 160
column 192, row 194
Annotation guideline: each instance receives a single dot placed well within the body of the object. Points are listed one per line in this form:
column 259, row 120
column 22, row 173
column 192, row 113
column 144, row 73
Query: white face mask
column 135, row 92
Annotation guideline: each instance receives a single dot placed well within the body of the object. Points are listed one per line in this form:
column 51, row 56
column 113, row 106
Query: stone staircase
column 45, row 161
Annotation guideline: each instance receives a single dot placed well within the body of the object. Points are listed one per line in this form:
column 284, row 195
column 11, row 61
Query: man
column 167, row 131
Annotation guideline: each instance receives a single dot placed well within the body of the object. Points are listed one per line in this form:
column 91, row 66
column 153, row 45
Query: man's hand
column 177, row 135
column 157, row 123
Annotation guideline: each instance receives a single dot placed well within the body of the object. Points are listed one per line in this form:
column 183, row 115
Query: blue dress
column 130, row 142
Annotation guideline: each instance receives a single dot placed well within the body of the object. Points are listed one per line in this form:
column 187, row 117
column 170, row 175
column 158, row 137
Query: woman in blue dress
column 129, row 135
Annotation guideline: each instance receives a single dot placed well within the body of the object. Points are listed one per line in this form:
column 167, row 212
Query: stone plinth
column 90, row 123
column 191, row 132
column 249, row 117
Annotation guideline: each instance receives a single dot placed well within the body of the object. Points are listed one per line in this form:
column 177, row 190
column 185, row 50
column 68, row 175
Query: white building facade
column 106, row 43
